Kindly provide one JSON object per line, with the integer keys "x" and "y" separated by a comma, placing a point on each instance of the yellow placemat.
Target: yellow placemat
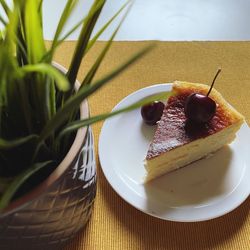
{"x": 114, "y": 223}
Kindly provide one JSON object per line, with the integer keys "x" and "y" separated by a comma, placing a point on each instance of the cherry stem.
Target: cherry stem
{"x": 218, "y": 72}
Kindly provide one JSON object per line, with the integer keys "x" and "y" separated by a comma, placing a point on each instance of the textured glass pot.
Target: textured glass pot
{"x": 53, "y": 212}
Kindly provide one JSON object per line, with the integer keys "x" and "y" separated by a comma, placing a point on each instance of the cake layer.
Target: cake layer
{"x": 195, "y": 150}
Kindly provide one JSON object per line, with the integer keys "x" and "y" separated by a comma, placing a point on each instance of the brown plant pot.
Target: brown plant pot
{"x": 53, "y": 212}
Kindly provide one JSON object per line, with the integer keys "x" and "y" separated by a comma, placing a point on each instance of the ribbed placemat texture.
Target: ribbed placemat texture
{"x": 114, "y": 223}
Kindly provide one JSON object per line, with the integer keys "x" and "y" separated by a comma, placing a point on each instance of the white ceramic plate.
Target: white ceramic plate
{"x": 204, "y": 190}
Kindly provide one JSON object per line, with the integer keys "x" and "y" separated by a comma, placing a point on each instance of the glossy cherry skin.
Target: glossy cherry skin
{"x": 199, "y": 108}
{"x": 152, "y": 112}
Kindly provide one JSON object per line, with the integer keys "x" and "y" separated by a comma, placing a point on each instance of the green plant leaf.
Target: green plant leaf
{"x": 5, "y": 6}
{"x": 74, "y": 102}
{"x": 49, "y": 54}
{"x": 52, "y": 100}
{"x": 82, "y": 42}
{"x": 33, "y": 31}
{"x": 70, "y": 5}
{"x": 105, "y": 26}
{"x": 18, "y": 181}
{"x": 76, "y": 26}
{"x": 25, "y": 105}
{"x": 21, "y": 49}
{"x": 4, "y": 182}
{"x": 3, "y": 21}
{"x": 56, "y": 42}
{"x": 10, "y": 30}
{"x": 86, "y": 122}
{"x": 96, "y": 65}
{"x": 8, "y": 144}
{"x": 60, "y": 79}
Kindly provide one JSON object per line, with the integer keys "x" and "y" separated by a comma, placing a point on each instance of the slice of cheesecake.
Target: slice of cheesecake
{"x": 177, "y": 141}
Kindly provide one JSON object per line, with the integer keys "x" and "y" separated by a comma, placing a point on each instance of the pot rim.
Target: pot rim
{"x": 40, "y": 189}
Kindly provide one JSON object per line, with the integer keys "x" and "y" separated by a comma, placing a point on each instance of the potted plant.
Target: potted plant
{"x": 47, "y": 164}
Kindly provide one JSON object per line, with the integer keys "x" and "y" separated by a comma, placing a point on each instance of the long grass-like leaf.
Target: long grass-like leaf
{"x": 5, "y": 7}
{"x": 105, "y": 26}
{"x": 86, "y": 122}
{"x": 10, "y": 29}
{"x": 4, "y": 182}
{"x": 18, "y": 181}
{"x": 52, "y": 100}
{"x": 21, "y": 48}
{"x": 70, "y": 5}
{"x": 34, "y": 31}
{"x": 56, "y": 42}
{"x": 49, "y": 54}
{"x": 83, "y": 41}
{"x": 40, "y": 12}
{"x": 60, "y": 79}
{"x": 96, "y": 65}
{"x": 25, "y": 105}
{"x": 77, "y": 25}
{"x": 3, "y": 21}
{"x": 8, "y": 144}
{"x": 74, "y": 102}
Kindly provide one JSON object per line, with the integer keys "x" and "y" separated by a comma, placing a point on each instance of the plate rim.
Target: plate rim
{"x": 121, "y": 188}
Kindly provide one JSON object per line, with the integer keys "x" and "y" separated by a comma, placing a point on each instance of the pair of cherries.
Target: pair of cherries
{"x": 198, "y": 108}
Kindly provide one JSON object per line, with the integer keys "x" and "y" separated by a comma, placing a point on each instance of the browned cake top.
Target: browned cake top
{"x": 173, "y": 130}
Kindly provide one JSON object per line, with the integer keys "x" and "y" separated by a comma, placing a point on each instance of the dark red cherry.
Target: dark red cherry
{"x": 199, "y": 108}
{"x": 152, "y": 112}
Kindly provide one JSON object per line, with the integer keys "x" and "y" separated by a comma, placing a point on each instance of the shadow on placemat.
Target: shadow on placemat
{"x": 153, "y": 233}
